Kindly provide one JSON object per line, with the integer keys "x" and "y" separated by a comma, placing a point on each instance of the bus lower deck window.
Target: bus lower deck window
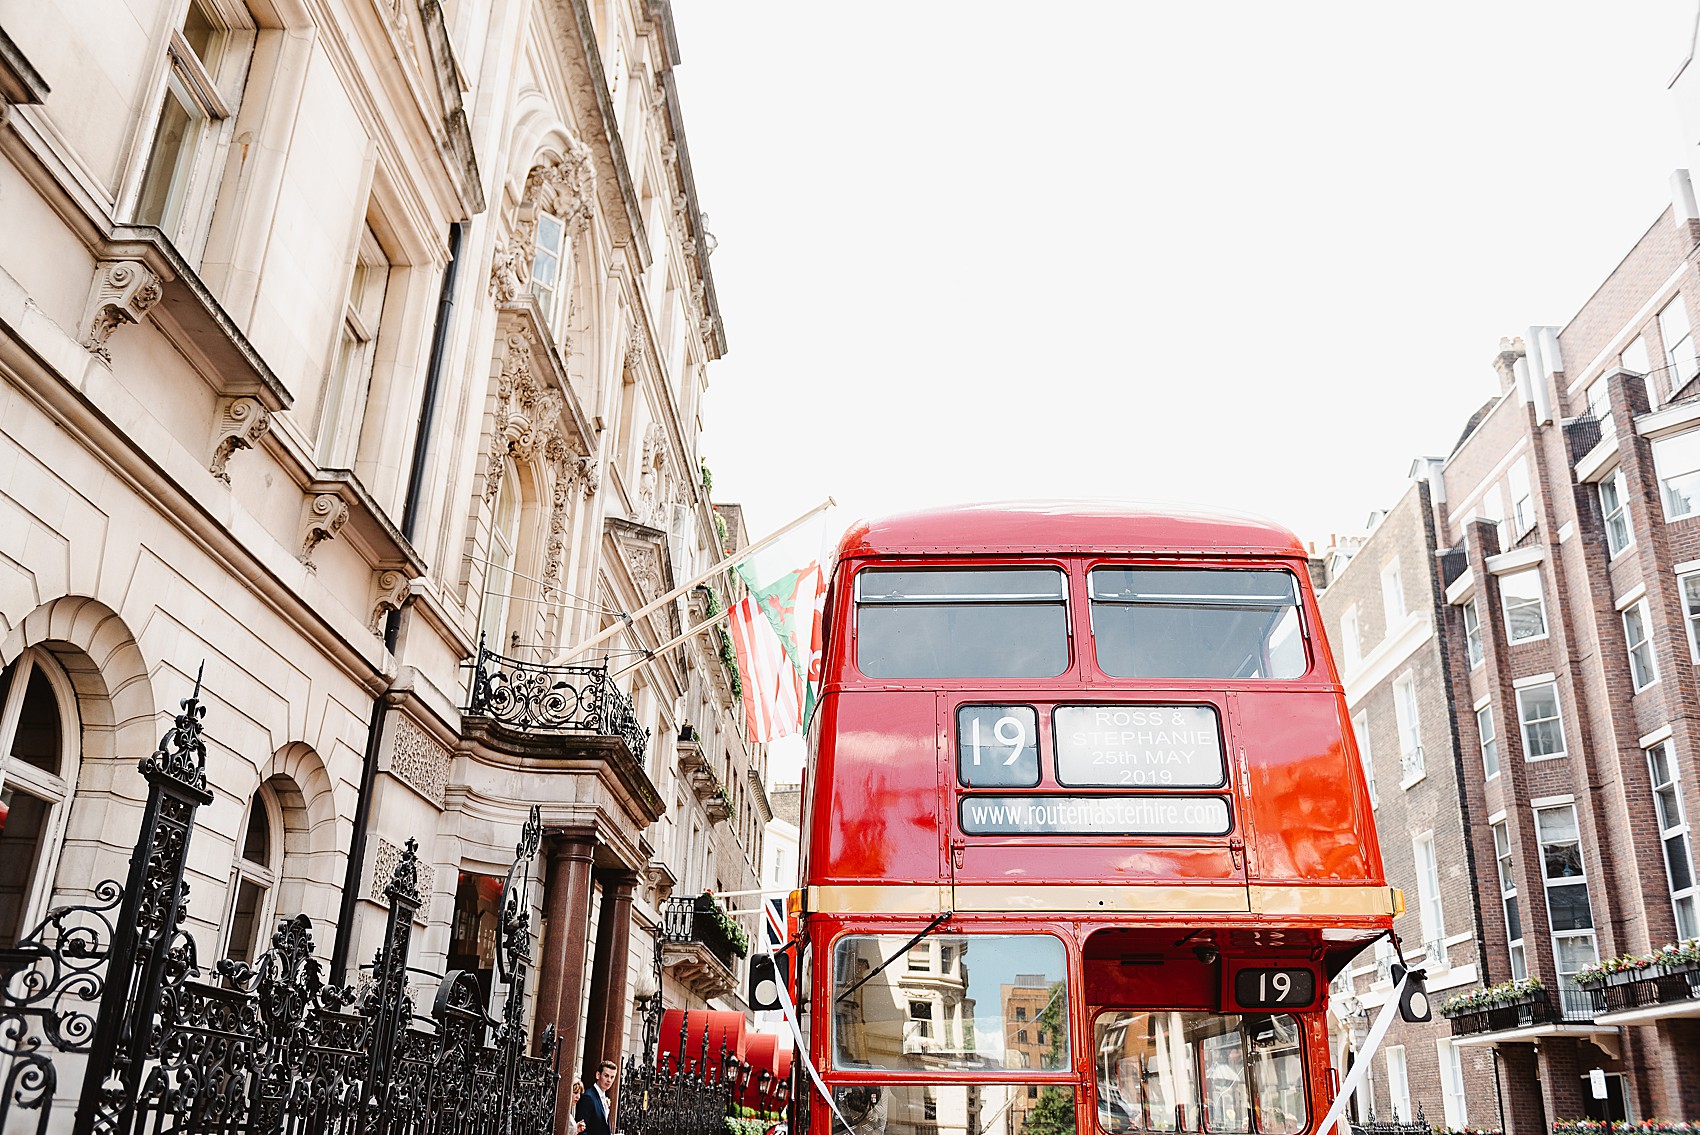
{"x": 1186, "y": 1071}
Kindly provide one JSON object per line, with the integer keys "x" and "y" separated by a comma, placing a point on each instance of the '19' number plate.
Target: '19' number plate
{"x": 1260, "y": 987}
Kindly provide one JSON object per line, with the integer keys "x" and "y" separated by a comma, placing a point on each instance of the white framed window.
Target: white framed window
{"x": 343, "y": 409}
{"x": 40, "y": 740}
{"x": 1636, "y": 358}
{"x": 1392, "y": 593}
{"x": 1452, "y": 1083}
{"x": 1637, "y": 636}
{"x": 1430, "y": 916}
{"x": 500, "y": 578}
{"x": 1508, "y": 897}
{"x": 1673, "y": 834}
{"x": 1680, "y": 359}
{"x": 1398, "y": 1083}
{"x": 1351, "y": 640}
{"x": 548, "y": 267}
{"x": 1614, "y": 513}
{"x": 1676, "y": 461}
{"x": 1490, "y": 741}
{"x": 206, "y": 65}
{"x": 1360, "y": 730}
{"x": 1522, "y": 499}
{"x": 1473, "y": 633}
{"x": 1569, "y": 912}
{"x": 253, "y": 881}
{"x": 1525, "y": 608}
{"x": 1543, "y": 725}
{"x": 1492, "y": 508}
{"x": 1410, "y": 735}
{"x": 1690, "y": 585}
{"x": 1599, "y": 405}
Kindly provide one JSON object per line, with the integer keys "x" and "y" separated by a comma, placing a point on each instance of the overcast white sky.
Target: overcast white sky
{"x": 1251, "y": 255}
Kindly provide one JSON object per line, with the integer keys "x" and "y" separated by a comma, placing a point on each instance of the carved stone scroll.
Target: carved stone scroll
{"x": 127, "y": 290}
{"x": 391, "y": 589}
{"x": 322, "y": 517}
{"x": 242, "y": 421}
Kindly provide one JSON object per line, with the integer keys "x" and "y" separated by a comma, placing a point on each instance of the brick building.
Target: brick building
{"x": 1565, "y": 592}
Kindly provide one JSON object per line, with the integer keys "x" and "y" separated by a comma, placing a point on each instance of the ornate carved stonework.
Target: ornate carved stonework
{"x": 384, "y": 859}
{"x": 564, "y": 186}
{"x": 646, "y": 570}
{"x": 391, "y": 590}
{"x": 242, "y": 421}
{"x": 652, "y": 491}
{"x": 419, "y": 759}
{"x": 127, "y": 290}
{"x": 322, "y": 517}
{"x": 633, "y": 363}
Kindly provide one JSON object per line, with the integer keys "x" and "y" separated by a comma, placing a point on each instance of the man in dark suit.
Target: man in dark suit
{"x": 596, "y": 1106}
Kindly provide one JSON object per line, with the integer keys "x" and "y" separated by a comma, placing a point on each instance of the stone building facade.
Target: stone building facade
{"x": 358, "y": 351}
{"x": 1565, "y": 534}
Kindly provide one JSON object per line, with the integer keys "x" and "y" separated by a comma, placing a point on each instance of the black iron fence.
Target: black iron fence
{"x": 1417, "y": 1125}
{"x": 1655, "y": 986}
{"x": 533, "y": 696}
{"x": 271, "y": 1048}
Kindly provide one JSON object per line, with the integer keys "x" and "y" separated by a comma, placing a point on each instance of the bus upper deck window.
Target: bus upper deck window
{"x": 985, "y": 623}
{"x": 1197, "y": 623}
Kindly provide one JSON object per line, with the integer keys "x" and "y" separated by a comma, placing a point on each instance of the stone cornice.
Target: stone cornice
{"x": 20, "y": 82}
{"x": 570, "y": 753}
{"x": 618, "y": 195}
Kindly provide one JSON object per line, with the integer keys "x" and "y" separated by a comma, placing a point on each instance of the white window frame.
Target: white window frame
{"x": 53, "y": 789}
{"x": 1452, "y": 1093}
{"x": 506, "y": 518}
{"x": 1513, "y": 593}
{"x": 263, "y": 876}
{"x": 1504, "y": 860}
{"x": 1488, "y": 735}
{"x": 1473, "y": 649}
{"x": 1677, "y": 336}
{"x": 1689, "y": 584}
{"x": 342, "y": 411}
{"x": 1674, "y": 839}
{"x": 1676, "y": 463}
{"x": 1566, "y": 979}
{"x": 1522, "y": 499}
{"x": 1614, "y": 514}
{"x": 1351, "y": 637}
{"x": 1360, "y": 731}
{"x": 1638, "y": 643}
{"x": 1392, "y": 593}
{"x": 1524, "y": 722}
{"x": 1411, "y": 768}
{"x": 550, "y": 287}
{"x": 1431, "y": 915}
{"x": 1398, "y": 1083}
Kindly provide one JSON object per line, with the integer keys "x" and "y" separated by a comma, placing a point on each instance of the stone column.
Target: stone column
{"x": 560, "y": 965}
{"x": 605, "y": 1028}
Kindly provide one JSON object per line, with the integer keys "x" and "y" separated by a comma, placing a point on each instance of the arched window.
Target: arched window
{"x": 39, "y": 743}
{"x": 253, "y": 883}
{"x": 504, "y": 543}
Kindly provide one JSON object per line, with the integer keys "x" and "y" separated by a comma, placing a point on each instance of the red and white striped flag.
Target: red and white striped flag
{"x": 773, "y": 689}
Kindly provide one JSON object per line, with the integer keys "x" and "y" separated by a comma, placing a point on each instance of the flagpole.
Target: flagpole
{"x": 650, "y": 655}
{"x": 737, "y": 557}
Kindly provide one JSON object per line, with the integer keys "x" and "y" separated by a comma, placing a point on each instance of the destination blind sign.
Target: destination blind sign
{"x": 1153, "y": 746}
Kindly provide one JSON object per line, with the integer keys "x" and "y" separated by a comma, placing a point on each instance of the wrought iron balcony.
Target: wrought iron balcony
{"x": 700, "y": 920}
{"x": 562, "y": 699}
{"x": 1411, "y": 763}
{"x": 1647, "y": 989}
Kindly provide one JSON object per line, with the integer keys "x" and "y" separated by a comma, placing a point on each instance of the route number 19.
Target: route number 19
{"x": 1257, "y": 987}
{"x": 997, "y": 746}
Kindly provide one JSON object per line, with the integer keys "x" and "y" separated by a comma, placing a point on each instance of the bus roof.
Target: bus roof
{"x": 1068, "y": 526}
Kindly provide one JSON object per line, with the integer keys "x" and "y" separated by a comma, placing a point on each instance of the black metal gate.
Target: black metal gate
{"x": 171, "y": 1048}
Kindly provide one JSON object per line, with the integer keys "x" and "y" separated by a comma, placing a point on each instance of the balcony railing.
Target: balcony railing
{"x": 1411, "y": 763}
{"x": 559, "y": 699}
{"x": 1573, "y": 1005}
{"x": 1583, "y": 434}
{"x": 1646, "y": 989}
{"x": 700, "y": 920}
{"x": 1435, "y": 948}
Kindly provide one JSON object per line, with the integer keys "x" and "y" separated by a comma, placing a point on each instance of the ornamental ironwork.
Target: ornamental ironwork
{"x": 535, "y": 697}
{"x": 264, "y": 1048}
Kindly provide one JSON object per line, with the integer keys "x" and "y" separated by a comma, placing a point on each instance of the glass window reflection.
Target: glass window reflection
{"x": 1199, "y": 1072}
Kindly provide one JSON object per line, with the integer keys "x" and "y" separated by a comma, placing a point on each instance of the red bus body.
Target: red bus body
{"x": 1153, "y": 927}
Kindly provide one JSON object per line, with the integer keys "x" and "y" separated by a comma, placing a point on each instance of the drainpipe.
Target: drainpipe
{"x": 392, "y": 624}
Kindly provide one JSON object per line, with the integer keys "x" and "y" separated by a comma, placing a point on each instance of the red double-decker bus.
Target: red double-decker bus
{"x": 1085, "y": 830}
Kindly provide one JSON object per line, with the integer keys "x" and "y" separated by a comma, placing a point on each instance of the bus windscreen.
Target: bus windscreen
{"x": 1197, "y": 623}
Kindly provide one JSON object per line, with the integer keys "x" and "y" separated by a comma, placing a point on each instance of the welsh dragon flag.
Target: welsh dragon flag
{"x": 776, "y": 631}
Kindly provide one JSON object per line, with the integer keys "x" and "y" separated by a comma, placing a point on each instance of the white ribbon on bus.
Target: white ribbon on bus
{"x": 803, "y": 1054}
{"x": 1360, "y": 1066}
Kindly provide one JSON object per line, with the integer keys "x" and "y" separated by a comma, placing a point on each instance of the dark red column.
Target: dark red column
{"x": 605, "y": 1028}
{"x": 560, "y": 964}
